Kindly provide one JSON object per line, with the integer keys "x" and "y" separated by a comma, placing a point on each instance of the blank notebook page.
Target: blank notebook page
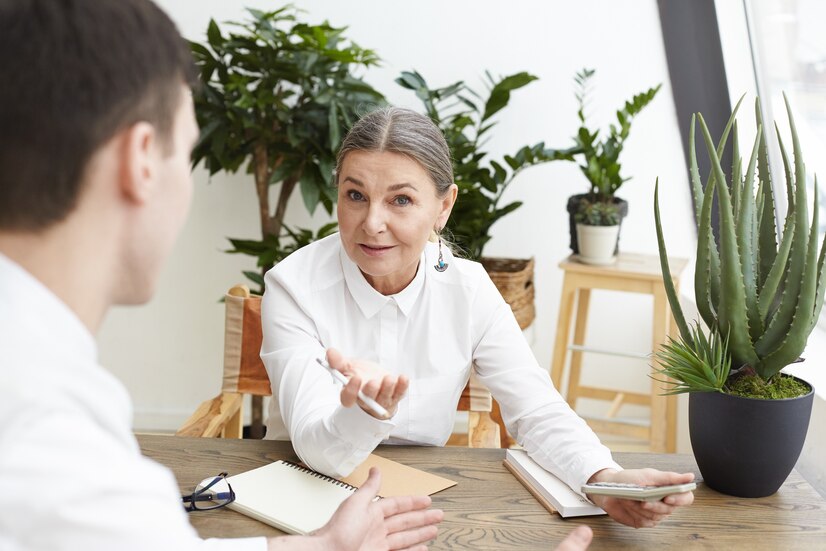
{"x": 288, "y": 496}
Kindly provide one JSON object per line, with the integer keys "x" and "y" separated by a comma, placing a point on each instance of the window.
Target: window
{"x": 788, "y": 48}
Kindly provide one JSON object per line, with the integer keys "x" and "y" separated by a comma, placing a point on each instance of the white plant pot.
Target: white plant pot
{"x": 597, "y": 244}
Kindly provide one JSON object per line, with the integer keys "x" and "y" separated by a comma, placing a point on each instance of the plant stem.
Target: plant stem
{"x": 262, "y": 184}
{"x": 277, "y": 219}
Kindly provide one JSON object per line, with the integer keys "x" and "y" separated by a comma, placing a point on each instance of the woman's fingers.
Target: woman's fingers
{"x": 401, "y": 388}
{"x": 349, "y": 394}
{"x": 387, "y": 391}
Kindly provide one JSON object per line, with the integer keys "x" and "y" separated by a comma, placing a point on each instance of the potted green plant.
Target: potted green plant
{"x": 277, "y": 97}
{"x": 466, "y": 119}
{"x": 597, "y": 228}
{"x": 761, "y": 299}
{"x": 598, "y": 159}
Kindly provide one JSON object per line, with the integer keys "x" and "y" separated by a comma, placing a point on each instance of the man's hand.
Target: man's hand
{"x": 578, "y": 540}
{"x": 374, "y": 382}
{"x": 361, "y": 524}
{"x": 642, "y": 514}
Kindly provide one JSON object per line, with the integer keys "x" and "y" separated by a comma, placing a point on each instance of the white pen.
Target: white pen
{"x": 369, "y": 402}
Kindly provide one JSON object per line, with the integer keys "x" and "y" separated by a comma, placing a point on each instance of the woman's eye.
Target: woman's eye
{"x": 402, "y": 200}
{"x": 355, "y": 195}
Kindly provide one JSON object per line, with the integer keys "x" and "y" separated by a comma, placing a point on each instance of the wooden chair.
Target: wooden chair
{"x": 244, "y": 373}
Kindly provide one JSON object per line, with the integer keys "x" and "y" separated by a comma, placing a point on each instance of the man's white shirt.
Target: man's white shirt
{"x": 71, "y": 473}
{"x": 442, "y": 325}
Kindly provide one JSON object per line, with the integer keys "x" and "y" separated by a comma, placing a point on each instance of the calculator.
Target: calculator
{"x": 635, "y": 491}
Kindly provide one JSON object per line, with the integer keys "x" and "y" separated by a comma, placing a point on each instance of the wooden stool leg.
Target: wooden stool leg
{"x": 580, "y": 325}
{"x": 671, "y": 409}
{"x": 563, "y": 328}
{"x": 660, "y": 422}
{"x": 506, "y": 440}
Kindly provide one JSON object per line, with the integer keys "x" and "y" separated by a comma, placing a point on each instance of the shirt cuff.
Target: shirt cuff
{"x": 590, "y": 468}
{"x": 357, "y": 425}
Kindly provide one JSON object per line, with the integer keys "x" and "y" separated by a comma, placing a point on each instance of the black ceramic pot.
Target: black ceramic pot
{"x": 573, "y": 205}
{"x": 747, "y": 447}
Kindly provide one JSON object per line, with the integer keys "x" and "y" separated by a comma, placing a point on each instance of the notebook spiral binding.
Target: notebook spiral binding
{"x": 311, "y": 472}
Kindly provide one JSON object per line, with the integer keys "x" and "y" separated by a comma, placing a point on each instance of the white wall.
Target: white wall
{"x": 168, "y": 352}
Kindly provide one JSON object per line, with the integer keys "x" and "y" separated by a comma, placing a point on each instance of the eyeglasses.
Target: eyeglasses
{"x": 210, "y": 493}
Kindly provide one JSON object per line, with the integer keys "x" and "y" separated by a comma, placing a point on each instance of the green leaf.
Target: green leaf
{"x": 668, "y": 281}
{"x": 767, "y": 225}
{"x": 732, "y": 312}
{"x": 745, "y": 225}
{"x": 310, "y": 189}
{"x": 707, "y": 276}
{"x": 255, "y": 277}
{"x": 784, "y": 331}
{"x": 694, "y": 171}
{"x": 214, "y": 35}
{"x": 500, "y": 94}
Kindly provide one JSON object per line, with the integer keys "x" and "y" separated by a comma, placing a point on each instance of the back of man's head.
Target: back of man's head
{"x": 73, "y": 73}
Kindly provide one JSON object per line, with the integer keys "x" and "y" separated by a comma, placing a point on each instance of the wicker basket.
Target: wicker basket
{"x": 514, "y": 279}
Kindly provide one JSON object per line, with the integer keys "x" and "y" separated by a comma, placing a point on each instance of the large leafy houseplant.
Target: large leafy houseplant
{"x": 598, "y": 154}
{"x": 277, "y": 96}
{"x": 763, "y": 297}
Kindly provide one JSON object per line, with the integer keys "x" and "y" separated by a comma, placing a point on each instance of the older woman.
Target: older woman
{"x": 412, "y": 320}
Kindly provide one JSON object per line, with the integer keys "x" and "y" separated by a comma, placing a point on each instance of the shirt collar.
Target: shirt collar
{"x": 370, "y": 301}
{"x": 43, "y": 312}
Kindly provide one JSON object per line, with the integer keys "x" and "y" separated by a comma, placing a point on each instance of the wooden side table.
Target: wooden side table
{"x": 634, "y": 273}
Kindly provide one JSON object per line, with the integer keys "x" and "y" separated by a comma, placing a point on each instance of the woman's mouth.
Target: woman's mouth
{"x": 374, "y": 250}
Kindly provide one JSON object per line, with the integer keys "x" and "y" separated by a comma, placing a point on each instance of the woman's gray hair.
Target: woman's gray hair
{"x": 405, "y": 132}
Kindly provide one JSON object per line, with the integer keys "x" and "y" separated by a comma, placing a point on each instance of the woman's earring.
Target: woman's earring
{"x": 442, "y": 265}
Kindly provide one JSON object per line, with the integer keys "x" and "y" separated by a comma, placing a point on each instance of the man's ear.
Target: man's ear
{"x": 139, "y": 156}
{"x": 447, "y": 205}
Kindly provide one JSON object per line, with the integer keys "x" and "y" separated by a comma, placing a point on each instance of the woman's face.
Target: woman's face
{"x": 387, "y": 207}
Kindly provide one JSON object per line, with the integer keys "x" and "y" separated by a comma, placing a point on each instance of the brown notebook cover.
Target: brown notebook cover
{"x": 398, "y": 479}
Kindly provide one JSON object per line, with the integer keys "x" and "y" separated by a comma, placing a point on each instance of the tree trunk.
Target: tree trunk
{"x": 262, "y": 186}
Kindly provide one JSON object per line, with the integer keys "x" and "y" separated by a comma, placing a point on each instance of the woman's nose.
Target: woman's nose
{"x": 376, "y": 220}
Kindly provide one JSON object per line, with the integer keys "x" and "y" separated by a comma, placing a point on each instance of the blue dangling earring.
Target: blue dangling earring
{"x": 442, "y": 265}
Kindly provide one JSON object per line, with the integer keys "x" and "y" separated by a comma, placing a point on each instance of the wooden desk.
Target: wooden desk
{"x": 489, "y": 509}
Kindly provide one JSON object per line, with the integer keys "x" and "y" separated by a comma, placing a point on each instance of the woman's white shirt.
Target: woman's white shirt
{"x": 434, "y": 331}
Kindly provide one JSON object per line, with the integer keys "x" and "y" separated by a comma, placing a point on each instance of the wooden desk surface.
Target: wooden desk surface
{"x": 489, "y": 509}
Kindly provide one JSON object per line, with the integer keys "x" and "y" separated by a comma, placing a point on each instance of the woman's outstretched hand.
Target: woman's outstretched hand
{"x": 642, "y": 514}
{"x": 371, "y": 379}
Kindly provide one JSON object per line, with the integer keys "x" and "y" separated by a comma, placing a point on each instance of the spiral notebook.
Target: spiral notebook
{"x": 298, "y": 500}
{"x": 288, "y": 496}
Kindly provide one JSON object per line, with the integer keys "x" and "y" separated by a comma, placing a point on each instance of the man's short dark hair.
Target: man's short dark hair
{"x": 73, "y": 73}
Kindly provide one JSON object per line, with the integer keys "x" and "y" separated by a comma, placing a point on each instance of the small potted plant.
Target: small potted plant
{"x": 599, "y": 158}
{"x": 760, "y": 299}
{"x": 597, "y": 228}
{"x": 465, "y": 118}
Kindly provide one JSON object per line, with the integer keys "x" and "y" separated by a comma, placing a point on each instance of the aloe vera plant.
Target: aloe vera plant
{"x": 764, "y": 294}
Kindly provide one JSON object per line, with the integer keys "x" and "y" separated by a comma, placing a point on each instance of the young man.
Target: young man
{"x": 96, "y": 127}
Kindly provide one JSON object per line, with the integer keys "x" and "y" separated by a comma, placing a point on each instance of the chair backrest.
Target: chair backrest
{"x": 244, "y": 371}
